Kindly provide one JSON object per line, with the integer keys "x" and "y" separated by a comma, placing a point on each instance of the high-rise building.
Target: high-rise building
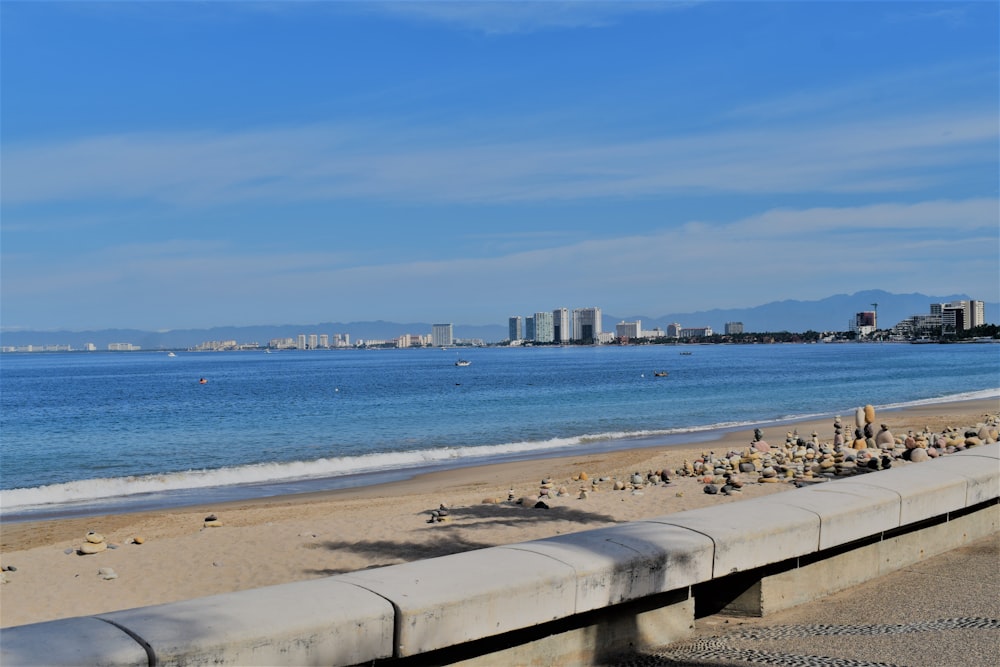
{"x": 560, "y": 325}
{"x": 733, "y": 328}
{"x": 865, "y": 323}
{"x": 674, "y": 330}
{"x": 515, "y": 328}
{"x": 629, "y": 330}
{"x": 543, "y": 328}
{"x": 442, "y": 335}
{"x": 529, "y": 328}
{"x": 696, "y": 332}
{"x": 977, "y": 314}
{"x": 960, "y": 315}
{"x": 587, "y": 325}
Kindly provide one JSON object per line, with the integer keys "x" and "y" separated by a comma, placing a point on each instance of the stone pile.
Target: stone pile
{"x": 440, "y": 515}
{"x": 807, "y": 460}
{"x": 797, "y": 459}
{"x": 94, "y": 543}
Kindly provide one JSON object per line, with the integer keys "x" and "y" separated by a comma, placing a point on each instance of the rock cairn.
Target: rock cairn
{"x": 440, "y": 515}
{"x": 798, "y": 459}
{"x": 93, "y": 543}
{"x": 807, "y": 460}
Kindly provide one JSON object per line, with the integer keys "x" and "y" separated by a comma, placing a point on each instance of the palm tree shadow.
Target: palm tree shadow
{"x": 378, "y": 553}
{"x": 389, "y": 552}
{"x": 488, "y": 515}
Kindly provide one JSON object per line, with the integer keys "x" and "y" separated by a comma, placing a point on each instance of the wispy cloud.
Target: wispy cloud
{"x": 521, "y": 16}
{"x": 337, "y": 162}
{"x": 788, "y": 252}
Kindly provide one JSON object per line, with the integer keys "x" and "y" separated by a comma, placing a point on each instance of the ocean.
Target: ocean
{"x": 88, "y": 433}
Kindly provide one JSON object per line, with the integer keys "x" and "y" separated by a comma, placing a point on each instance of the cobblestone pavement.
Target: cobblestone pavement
{"x": 942, "y": 612}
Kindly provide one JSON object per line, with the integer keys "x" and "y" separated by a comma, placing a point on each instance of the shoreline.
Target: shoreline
{"x": 179, "y": 499}
{"x": 280, "y": 539}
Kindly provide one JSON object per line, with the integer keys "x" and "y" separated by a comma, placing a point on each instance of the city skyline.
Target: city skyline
{"x": 164, "y": 171}
{"x": 936, "y": 317}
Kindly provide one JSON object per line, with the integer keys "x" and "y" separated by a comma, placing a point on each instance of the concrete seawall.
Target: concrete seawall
{"x": 569, "y": 599}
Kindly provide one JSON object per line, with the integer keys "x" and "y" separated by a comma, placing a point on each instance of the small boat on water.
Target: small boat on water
{"x": 463, "y": 362}
{"x": 660, "y": 374}
{"x": 686, "y": 354}
{"x": 171, "y": 354}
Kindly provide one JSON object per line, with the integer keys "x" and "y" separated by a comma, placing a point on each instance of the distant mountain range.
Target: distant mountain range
{"x": 833, "y": 313}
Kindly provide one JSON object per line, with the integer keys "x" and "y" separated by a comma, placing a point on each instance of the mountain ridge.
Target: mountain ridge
{"x": 833, "y": 313}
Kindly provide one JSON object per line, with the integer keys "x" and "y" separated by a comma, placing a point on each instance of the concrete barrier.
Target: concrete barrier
{"x": 560, "y": 598}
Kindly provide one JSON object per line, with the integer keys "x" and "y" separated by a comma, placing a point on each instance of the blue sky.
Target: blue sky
{"x": 177, "y": 165}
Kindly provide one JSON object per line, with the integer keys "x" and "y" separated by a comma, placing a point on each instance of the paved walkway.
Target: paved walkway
{"x": 942, "y": 612}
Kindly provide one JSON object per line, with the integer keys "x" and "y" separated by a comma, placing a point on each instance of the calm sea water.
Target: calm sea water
{"x": 115, "y": 431}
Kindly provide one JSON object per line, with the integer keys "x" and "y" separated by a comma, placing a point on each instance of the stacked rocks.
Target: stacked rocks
{"x": 802, "y": 460}
{"x": 94, "y": 543}
{"x": 212, "y": 521}
{"x": 440, "y": 515}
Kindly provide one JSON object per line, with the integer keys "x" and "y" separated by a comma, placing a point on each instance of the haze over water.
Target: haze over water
{"x": 84, "y": 433}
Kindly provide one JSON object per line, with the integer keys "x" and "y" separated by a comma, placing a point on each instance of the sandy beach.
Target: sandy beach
{"x": 292, "y": 538}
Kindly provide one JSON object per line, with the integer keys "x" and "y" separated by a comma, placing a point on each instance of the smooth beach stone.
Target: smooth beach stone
{"x": 884, "y": 436}
{"x": 762, "y": 446}
{"x": 869, "y": 414}
{"x": 973, "y": 442}
{"x": 769, "y": 471}
{"x": 860, "y": 444}
{"x": 747, "y": 467}
{"x": 92, "y": 547}
{"x": 859, "y": 417}
{"x": 711, "y": 489}
{"x": 933, "y": 452}
{"x": 107, "y": 573}
{"x": 94, "y": 538}
{"x": 918, "y": 455}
